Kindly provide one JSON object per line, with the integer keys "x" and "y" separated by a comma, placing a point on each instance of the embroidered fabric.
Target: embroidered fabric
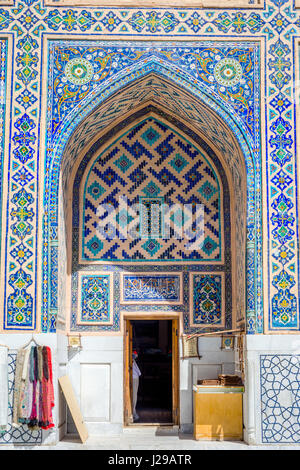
{"x": 33, "y": 388}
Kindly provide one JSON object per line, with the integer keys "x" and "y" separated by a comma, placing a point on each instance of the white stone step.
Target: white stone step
{"x": 151, "y": 430}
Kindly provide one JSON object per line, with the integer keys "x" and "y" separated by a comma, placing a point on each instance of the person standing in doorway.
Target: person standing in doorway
{"x": 135, "y": 384}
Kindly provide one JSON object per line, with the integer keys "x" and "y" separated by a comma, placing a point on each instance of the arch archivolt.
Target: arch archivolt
{"x": 155, "y": 93}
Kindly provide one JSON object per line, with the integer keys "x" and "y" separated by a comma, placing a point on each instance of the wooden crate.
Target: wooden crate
{"x": 218, "y": 413}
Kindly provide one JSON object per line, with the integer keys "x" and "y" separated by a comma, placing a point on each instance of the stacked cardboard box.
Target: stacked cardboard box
{"x": 230, "y": 380}
{"x": 208, "y": 382}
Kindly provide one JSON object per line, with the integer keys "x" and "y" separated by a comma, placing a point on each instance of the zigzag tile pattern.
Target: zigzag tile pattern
{"x": 170, "y": 180}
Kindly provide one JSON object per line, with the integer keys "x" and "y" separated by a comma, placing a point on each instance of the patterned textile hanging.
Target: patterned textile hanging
{"x": 26, "y": 390}
{"x": 33, "y": 388}
{"x": 17, "y": 386}
{"x": 47, "y": 388}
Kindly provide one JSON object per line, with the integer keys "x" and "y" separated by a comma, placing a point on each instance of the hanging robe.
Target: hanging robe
{"x": 25, "y": 400}
{"x": 47, "y": 389}
{"x": 17, "y": 386}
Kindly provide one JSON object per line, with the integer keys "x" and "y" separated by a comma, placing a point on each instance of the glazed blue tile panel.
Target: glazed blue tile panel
{"x": 284, "y": 302}
{"x": 222, "y": 67}
{"x": 19, "y": 303}
{"x": 3, "y": 65}
{"x": 54, "y": 276}
{"x": 276, "y": 25}
{"x": 207, "y": 299}
{"x": 151, "y": 288}
{"x": 95, "y": 299}
{"x": 147, "y": 189}
{"x": 125, "y": 163}
{"x": 163, "y": 174}
{"x": 280, "y": 398}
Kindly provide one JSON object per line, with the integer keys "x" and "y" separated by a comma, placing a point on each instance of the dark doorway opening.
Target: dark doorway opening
{"x": 152, "y": 339}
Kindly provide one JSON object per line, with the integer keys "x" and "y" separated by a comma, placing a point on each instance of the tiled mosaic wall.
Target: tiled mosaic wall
{"x": 279, "y": 389}
{"x": 183, "y": 104}
{"x": 173, "y": 221}
{"x": 221, "y": 72}
{"x": 155, "y": 168}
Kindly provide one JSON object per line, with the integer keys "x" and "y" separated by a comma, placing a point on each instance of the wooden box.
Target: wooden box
{"x": 218, "y": 412}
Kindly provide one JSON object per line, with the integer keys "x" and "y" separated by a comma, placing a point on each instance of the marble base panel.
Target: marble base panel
{"x": 271, "y": 399}
{"x": 271, "y": 406}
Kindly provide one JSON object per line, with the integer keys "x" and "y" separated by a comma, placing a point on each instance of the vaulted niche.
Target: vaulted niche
{"x": 151, "y": 224}
{"x": 151, "y": 196}
{"x": 152, "y": 214}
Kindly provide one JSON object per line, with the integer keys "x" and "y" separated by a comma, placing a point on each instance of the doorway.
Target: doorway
{"x": 156, "y": 343}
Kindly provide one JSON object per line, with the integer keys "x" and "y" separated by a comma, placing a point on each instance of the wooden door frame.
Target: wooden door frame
{"x": 175, "y": 361}
{"x": 127, "y": 367}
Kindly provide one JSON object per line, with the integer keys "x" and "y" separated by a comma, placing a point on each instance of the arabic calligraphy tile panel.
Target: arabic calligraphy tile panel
{"x": 156, "y": 288}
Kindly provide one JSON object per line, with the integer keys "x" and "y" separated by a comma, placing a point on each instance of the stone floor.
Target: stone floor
{"x": 136, "y": 438}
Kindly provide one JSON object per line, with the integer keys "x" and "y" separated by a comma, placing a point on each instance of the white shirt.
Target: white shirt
{"x": 135, "y": 370}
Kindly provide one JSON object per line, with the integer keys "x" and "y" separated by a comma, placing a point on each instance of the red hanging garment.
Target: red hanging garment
{"x": 47, "y": 390}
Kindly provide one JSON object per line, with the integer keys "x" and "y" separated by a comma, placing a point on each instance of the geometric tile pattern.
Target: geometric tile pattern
{"x": 277, "y": 24}
{"x": 150, "y": 287}
{"x": 229, "y": 69}
{"x": 280, "y": 398}
{"x": 166, "y": 182}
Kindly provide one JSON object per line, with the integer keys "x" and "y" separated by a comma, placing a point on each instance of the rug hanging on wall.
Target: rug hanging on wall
{"x": 190, "y": 347}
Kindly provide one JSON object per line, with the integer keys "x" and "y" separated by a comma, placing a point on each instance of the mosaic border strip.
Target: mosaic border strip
{"x": 3, "y": 91}
{"x": 163, "y": 4}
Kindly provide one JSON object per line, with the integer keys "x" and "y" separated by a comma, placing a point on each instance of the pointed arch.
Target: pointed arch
{"x": 203, "y": 115}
